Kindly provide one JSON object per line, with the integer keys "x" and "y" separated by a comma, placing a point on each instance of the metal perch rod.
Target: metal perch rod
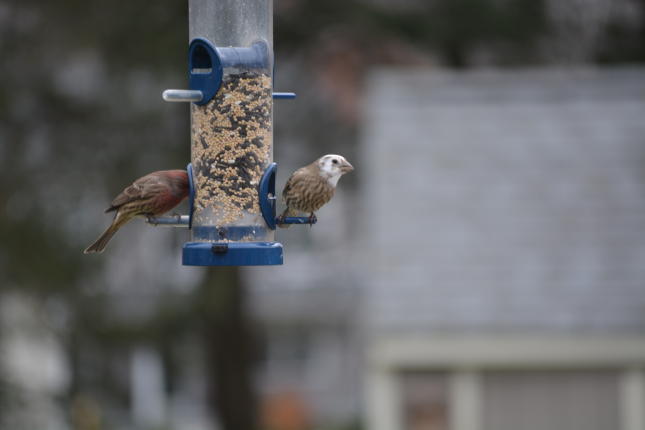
{"x": 169, "y": 221}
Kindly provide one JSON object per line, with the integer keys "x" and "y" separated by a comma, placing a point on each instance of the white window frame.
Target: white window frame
{"x": 464, "y": 358}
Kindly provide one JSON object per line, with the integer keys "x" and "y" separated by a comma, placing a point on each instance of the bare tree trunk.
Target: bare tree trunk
{"x": 229, "y": 346}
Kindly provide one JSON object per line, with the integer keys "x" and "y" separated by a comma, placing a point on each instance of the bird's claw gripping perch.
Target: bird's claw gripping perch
{"x": 312, "y": 219}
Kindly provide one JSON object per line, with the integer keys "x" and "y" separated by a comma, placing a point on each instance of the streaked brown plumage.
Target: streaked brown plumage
{"x": 310, "y": 187}
{"x": 150, "y": 195}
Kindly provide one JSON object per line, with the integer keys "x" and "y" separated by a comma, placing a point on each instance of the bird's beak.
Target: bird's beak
{"x": 346, "y": 167}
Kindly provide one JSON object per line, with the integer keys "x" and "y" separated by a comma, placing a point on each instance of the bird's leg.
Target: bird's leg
{"x": 151, "y": 219}
{"x": 279, "y": 219}
{"x": 312, "y": 219}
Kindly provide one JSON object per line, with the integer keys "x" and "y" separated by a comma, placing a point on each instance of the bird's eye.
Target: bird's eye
{"x": 334, "y": 161}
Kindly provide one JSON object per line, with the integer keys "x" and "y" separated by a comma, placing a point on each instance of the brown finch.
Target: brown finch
{"x": 151, "y": 195}
{"x": 310, "y": 187}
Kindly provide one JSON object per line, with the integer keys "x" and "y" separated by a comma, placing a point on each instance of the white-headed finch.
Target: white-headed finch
{"x": 151, "y": 195}
{"x": 310, "y": 187}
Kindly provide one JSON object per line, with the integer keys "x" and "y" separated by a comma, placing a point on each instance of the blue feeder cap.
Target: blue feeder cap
{"x": 232, "y": 254}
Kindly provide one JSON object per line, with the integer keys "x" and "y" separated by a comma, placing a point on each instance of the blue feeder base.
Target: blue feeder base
{"x": 232, "y": 254}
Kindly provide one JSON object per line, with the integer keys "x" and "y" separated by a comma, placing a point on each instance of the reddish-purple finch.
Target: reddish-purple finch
{"x": 310, "y": 187}
{"x": 151, "y": 195}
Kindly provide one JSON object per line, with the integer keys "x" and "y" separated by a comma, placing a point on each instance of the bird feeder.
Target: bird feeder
{"x": 232, "y": 174}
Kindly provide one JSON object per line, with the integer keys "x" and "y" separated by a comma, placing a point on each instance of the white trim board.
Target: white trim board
{"x": 465, "y": 357}
{"x": 456, "y": 352}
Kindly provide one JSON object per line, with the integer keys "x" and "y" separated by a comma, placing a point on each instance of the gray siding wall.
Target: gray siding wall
{"x": 504, "y": 200}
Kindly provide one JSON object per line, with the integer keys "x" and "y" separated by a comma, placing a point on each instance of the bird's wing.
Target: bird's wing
{"x": 294, "y": 179}
{"x": 140, "y": 189}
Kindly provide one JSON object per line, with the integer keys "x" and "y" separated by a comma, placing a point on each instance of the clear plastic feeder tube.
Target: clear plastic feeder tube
{"x": 232, "y": 134}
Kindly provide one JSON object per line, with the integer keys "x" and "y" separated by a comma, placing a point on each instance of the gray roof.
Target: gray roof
{"x": 504, "y": 199}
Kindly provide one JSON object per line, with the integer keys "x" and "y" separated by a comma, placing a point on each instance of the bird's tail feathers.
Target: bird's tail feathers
{"x": 99, "y": 245}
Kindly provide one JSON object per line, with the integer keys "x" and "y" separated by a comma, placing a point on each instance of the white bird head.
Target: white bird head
{"x": 332, "y": 167}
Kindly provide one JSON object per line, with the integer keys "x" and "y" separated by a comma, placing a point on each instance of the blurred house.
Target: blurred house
{"x": 502, "y": 232}
{"x": 490, "y": 275}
